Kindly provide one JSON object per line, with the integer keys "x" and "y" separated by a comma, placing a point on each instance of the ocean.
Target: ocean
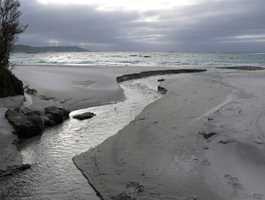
{"x": 164, "y": 59}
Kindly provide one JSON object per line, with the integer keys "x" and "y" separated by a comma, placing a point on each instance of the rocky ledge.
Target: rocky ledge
{"x": 28, "y": 123}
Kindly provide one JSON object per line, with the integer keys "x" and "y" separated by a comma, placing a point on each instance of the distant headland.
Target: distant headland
{"x": 42, "y": 49}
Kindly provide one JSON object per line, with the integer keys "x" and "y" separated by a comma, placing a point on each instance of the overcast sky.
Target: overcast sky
{"x": 149, "y": 25}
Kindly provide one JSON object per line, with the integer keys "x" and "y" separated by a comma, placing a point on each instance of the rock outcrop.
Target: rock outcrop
{"x": 9, "y": 84}
{"x": 54, "y": 116}
{"x": 25, "y": 126}
{"x": 29, "y": 123}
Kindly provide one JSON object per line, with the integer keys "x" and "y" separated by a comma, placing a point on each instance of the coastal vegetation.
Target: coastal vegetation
{"x": 10, "y": 27}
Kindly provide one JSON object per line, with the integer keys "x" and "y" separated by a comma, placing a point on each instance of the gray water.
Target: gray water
{"x": 162, "y": 59}
{"x": 53, "y": 175}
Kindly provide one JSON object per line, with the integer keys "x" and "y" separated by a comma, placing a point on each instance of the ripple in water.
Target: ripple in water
{"x": 53, "y": 175}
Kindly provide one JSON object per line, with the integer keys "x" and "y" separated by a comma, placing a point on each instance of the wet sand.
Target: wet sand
{"x": 203, "y": 140}
{"x": 77, "y": 87}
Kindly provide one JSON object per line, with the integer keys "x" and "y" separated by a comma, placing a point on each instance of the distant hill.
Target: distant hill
{"x": 30, "y": 49}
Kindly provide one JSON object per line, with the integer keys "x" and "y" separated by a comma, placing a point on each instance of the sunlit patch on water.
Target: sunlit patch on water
{"x": 53, "y": 175}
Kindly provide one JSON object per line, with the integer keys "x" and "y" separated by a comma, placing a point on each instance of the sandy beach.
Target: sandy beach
{"x": 203, "y": 140}
{"x": 76, "y": 87}
{"x": 132, "y": 100}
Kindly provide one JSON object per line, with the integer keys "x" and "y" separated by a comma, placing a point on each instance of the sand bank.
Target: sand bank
{"x": 76, "y": 87}
{"x": 203, "y": 140}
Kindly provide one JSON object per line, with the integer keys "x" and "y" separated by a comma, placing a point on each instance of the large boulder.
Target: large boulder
{"x": 9, "y": 84}
{"x": 26, "y": 125}
{"x": 54, "y": 116}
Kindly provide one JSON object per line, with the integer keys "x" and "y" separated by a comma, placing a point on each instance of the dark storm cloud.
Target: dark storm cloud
{"x": 216, "y": 25}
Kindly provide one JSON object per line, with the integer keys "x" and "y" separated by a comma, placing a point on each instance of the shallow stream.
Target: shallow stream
{"x": 53, "y": 175}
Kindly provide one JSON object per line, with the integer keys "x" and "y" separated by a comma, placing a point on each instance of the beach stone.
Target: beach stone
{"x": 55, "y": 115}
{"x": 25, "y": 125}
{"x": 84, "y": 116}
{"x": 161, "y": 90}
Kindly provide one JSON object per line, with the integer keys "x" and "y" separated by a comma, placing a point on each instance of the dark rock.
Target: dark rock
{"x": 84, "y": 116}
{"x": 48, "y": 121}
{"x": 207, "y": 135}
{"x": 145, "y": 74}
{"x": 9, "y": 84}
{"x": 210, "y": 119}
{"x": 55, "y": 116}
{"x": 161, "y": 80}
{"x": 161, "y": 90}
{"x": 28, "y": 123}
{"x": 14, "y": 169}
{"x": 25, "y": 125}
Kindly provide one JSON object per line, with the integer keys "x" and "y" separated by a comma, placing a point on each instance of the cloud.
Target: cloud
{"x": 216, "y": 25}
